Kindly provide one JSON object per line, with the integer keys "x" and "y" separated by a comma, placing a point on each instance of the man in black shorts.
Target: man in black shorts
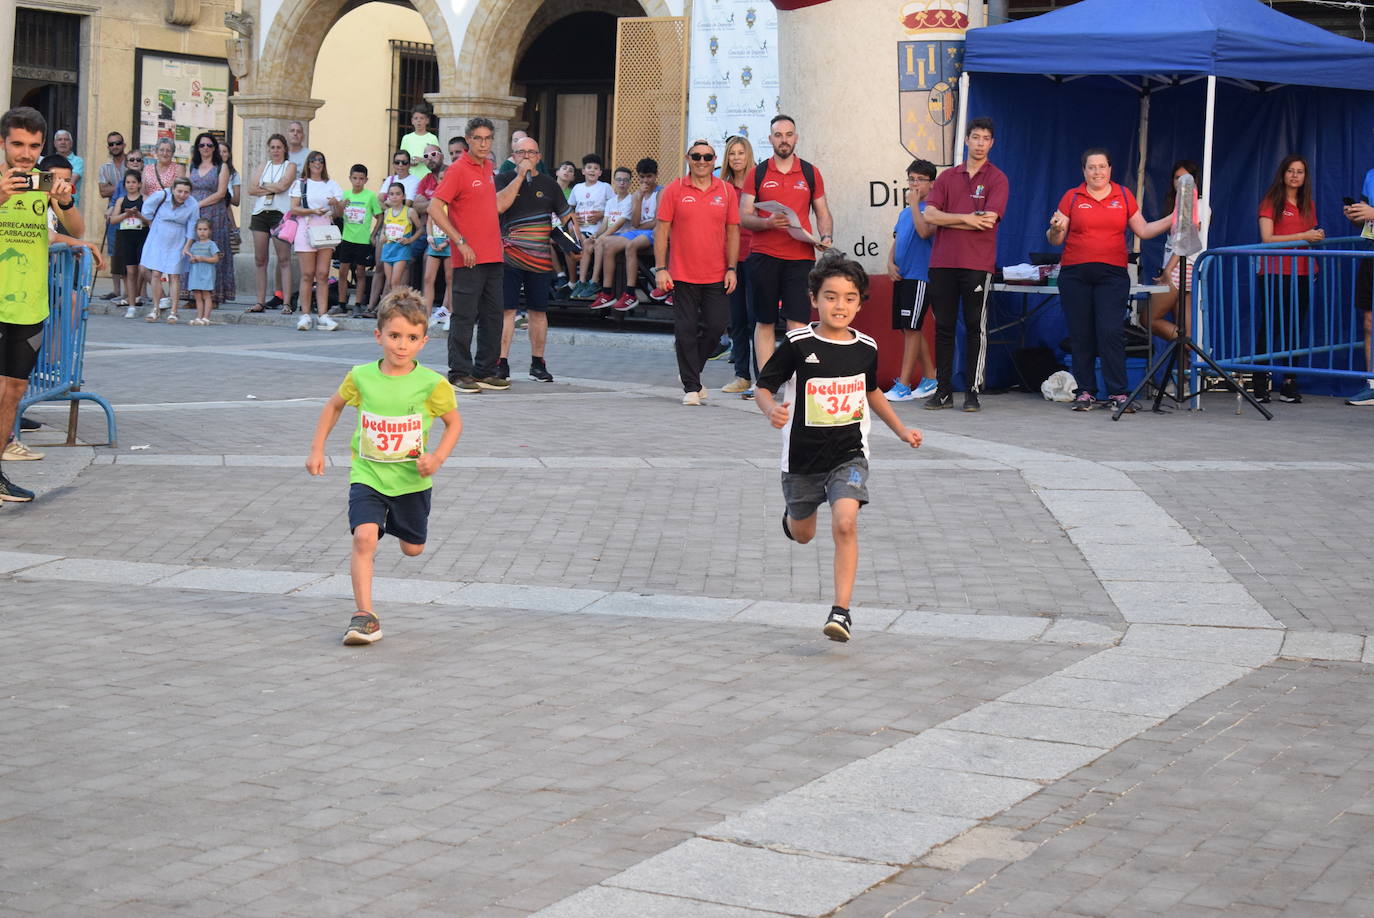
{"x": 779, "y": 264}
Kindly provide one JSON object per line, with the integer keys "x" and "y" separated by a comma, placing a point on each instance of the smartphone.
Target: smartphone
{"x": 40, "y": 181}
{"x": 1348, "y": 201}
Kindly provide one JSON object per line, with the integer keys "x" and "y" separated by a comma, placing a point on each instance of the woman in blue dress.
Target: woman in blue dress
{"x": 172, "y": 216}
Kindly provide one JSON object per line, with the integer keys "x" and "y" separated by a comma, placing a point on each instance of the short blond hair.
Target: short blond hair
{"x": 404, "y": 302}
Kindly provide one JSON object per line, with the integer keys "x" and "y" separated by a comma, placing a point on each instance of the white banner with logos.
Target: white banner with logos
{"x": 733, "y": 74}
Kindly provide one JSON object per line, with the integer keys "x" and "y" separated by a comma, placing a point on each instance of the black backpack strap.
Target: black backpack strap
{"x": 759, "y": 170}
{"x": 809, "y": 173}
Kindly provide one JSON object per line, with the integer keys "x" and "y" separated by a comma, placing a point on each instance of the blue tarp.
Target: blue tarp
{"x": 1044, "y": 124}
{"x": 1243, "y": 39}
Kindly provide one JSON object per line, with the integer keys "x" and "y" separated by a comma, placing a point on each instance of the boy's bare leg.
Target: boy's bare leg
{"x": 910, "y": 344}
{"x": 365, "y": 538}
{"x": 844, "y": 526}
{"x": 924, "y": 358}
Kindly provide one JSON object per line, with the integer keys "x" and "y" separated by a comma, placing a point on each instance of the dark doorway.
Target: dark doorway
{"x": 47, "y": 67}
{"x": 568, "y": 74}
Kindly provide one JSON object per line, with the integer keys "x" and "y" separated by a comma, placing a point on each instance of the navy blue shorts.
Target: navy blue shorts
{"x": 406, "y": 517}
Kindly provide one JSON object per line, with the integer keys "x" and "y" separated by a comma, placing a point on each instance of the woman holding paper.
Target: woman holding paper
{"x": 1091, "y": 223}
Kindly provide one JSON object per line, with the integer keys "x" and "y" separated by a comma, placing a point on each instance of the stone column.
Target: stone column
{"x": 7, "y": 14}
{"x": 453, "y": 113}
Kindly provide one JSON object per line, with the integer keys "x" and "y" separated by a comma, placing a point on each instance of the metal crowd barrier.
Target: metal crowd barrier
{"x": 57, "y": 376}
{"x": 1306, "y": 325}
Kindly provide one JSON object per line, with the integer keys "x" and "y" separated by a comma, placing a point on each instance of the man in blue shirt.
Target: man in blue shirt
{"x": 1363, "y": 214}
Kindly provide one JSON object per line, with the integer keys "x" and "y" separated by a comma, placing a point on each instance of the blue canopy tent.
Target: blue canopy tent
{"x": 1231, "y": 83}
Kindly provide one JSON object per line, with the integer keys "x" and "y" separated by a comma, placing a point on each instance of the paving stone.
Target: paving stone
{"x": 93, "y": 570}
{"x": 813, "y": 616}
{"x": 11, "y": 561}
{"x": 1122, "y": 664}
{"x": 239, "y": 581}
{"x": 982, "y": 627}
{"x": 609, "y": 902}
{"x": 385, "y": 589}
{"x": 1075, "y": 476}
{"x": 1150, "y": 700}
{"x": 265, "y": 462}
{"x": 654, "y": 606}
{"x": 752, "y": 877}
{"x": 1076, "y": 631}
{"x": 1322, "y": 645}
{"x": 1009, "y": 757}
{"x": 800, "y": 823}
{"x": 593, "y": 462}
{"x": 1054, "y": 724}
{"x": 518, "y": 596}
{"x": 890, "y": 780}
{"x": 1243, "y": 647}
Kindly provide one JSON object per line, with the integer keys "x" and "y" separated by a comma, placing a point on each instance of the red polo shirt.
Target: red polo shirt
{"x": 469, "y": 191}
{"x": 696, "y": 250}
{"x": 788, "y": 188}
{"x": 957, "y": 192}
{"x": 1288, "y": 223}
{"x": 1097, "y": 229}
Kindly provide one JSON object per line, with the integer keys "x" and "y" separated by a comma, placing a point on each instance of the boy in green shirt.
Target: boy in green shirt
{"x": 389, "y": 490}
{"x": 362, "y": 220}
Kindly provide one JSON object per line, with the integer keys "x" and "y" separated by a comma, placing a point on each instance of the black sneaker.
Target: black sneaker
{"x": 503, "y": 368}
{"x": 11, "y": 491}
{"x": 539, "y": 371}
{"x": 1288, "y": 392}
{"x": 971, "y": 402}
{"x": 26, "y": 424}
{"x": 274, "y": 303}
{"x": 939, "y": 400}
{"x": 837, "y": 626}
{"x": 363, "y": 628}
{"x": 466, "y": 384}
{"x": 494, "y": 383}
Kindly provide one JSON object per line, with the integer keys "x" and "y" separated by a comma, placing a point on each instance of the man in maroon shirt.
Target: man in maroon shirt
{"x": 465, "y": 208}
{"x": 779, "y": 264}
{"x": 964, "y": 205}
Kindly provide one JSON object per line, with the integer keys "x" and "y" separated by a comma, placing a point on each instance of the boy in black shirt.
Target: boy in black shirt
{"x": 833, "y": 369}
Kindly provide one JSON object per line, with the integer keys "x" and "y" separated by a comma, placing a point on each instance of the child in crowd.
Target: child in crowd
{"x": 400, "y": 228}
{"x": 589, "y": 199}
{"x": 908, "y": 264}
{"x": 362, "y": 221}
{"x": 389, "y": 485}
{"x": 203, "y": 255}
{"x": 437, "y": 257}
{"x": 833, "y": 370}
{"x": 126, "y": 214}
{"x": 607, "y": 244}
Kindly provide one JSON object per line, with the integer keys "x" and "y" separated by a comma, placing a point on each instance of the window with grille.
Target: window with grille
{"x": 414, "y": 72}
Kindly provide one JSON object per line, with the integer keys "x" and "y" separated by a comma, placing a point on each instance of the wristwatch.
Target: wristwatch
{"x": 68, "y": 206}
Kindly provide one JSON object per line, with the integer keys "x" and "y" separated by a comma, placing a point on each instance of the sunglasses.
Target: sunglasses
{"x": 132, "y": 160}
{"x": 400, "y": 162}
{"x": 114, "y": 143}
{"x": 702, "y": 157}
{"x": 207, "y": 146}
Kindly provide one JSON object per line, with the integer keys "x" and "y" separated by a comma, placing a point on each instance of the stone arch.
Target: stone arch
{"x": 286, "y": 66}
{"x": 495, "y": 35}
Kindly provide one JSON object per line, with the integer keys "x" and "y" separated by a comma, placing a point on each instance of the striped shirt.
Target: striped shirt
{"x": 525, "y": 225}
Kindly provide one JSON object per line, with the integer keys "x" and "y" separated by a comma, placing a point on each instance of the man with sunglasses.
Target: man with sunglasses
{"x": 779, "y": 264}
{"x": 111, "y": 180}
{"x": 701, "y": 215}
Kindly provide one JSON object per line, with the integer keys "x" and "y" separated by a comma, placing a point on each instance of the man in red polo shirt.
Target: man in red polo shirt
{"x": 465, "y": 208}
{"x": 779, "y": 264}
{"x": 964, "y": 205}
{"x": 702, "y": 217}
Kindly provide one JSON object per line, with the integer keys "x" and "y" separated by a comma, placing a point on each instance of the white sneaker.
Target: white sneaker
{"x": 443, "y": 326}
{"x": 131, "y": 312}
{"x": 324, "y": 323}
{"x": 439, "y": 317}
{"x": 18, "y": 452}
{"x": 692, "y": 398}
{"x": 303, "y": 324}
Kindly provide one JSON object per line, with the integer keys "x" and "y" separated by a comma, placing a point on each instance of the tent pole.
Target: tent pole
{"x": 1143, "y": 131}
{"x": 961, "y": 125}
{"x": 1205, "y": 215}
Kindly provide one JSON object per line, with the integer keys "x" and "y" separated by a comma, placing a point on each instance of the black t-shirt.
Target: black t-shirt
{"x": 525, "y": 226}
{"x": 827, "y": 383}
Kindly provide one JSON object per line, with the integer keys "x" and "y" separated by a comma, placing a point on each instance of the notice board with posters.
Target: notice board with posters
{"x": 179, "y": 96}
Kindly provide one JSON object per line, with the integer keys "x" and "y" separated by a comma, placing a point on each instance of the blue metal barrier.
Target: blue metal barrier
{"x": 1256, "y": 319}
{"x": 57, "y": 375}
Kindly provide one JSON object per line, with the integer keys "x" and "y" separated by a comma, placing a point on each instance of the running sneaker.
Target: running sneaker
{"x": 838, "y": 625}
{"x": 691, "y": 398}
{"x": 18, "y": 452}
{"x": 304, "y": 323}
{"x": 522, "y": 321}
{"x": 363, "y": 628}
{"x": 26, "y": 424}
{"x": 900, "y": 392}
{"x": 503, "y": 367}
{"x": 11, "y": 491}
{"x": 659, "y": 295}
{"x": 1289, "y": 393}
{"x": 275, "y": 302}
{"x": 539, "y": 371}
{"x": 738, "y": 384}
{"x": 1084, "y": 401}
{"x": 747, "y": 394}
{"x": 625, "y": 302}
{"x": 326, "y": 324}
{"x": 1363, "y": 398}
{"x": 721, "y": 349}
{"x": 602, "y": 300}
{"x": 927, "y": 387}
{"x": 939, "y": 400}
{"x": 493, "y": 382}
{"x": 1122, "y": 402}
{"x": 971, "y": 402}
{"x": 130, "y": 312}
{"x": 438, "y": 317}
{"x": 465, "y": 384}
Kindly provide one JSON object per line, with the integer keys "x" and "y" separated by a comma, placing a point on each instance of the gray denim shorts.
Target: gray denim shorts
{"x": 804, "y": 493}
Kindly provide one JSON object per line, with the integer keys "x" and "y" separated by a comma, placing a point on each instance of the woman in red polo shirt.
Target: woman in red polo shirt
{"x": 1287, "y": 214}
{"x": 1091, "y": 222}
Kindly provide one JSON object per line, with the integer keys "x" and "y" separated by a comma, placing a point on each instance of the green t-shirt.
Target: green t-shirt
{"x": 394, "y": 414}
{"x": 360, "y": 208}
{"x": 415, "y": 145}
{"x": 24, "y": 258}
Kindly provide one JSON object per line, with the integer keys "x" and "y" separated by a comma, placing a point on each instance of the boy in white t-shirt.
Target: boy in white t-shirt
{"x": 589, "y": 201}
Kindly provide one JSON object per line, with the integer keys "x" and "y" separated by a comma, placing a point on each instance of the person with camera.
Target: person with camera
{"x": 25, "y": 198}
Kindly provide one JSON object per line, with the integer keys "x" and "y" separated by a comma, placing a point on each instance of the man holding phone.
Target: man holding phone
{"x": 25, "y": 196}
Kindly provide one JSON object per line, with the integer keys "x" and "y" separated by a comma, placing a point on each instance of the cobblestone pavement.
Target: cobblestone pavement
{"x": 1098, "y": 669}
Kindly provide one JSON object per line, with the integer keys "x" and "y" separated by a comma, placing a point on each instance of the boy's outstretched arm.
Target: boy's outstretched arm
{"x": 878, "y": 403}
{"x": 329, "y": 416}
{"x": 429, "y": 463}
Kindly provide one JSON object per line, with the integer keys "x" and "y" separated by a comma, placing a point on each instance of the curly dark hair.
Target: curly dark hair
{"x": 835, "y": 264}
